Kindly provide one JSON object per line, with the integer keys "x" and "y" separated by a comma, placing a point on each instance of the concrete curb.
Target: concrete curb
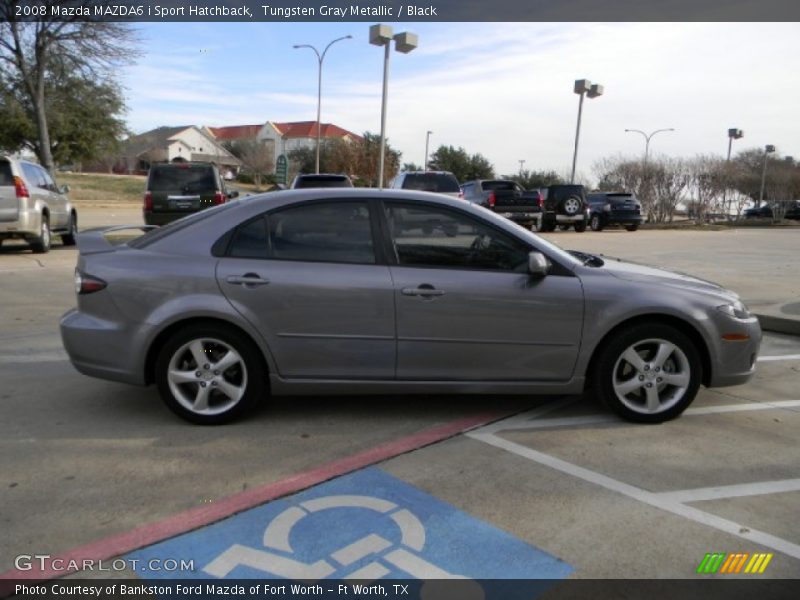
{"x": 779, "y": 324}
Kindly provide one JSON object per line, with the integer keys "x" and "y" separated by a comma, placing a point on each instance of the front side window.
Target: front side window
{"x": 328, "y": 232}
{"x": 431, "y": 236}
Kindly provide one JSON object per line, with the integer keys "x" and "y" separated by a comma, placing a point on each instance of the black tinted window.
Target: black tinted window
{"x": 430, "y": 182}
{"x": 6, "y": 178}
{"x": 330, "y": 232}
{"x": 437, "y": 237}
{"x": 182, "y": 178}
{"x": 316, "y": 181}
{"x": 497, "y": 186}
{"x": 250, "y": 240}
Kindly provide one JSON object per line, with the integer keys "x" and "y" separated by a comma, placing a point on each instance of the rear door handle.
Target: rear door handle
{"x": 247, "y": 280}
{"x": 425, "y": 290}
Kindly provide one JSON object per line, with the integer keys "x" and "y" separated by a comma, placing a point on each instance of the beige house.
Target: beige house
{"x": 175, "y": 144}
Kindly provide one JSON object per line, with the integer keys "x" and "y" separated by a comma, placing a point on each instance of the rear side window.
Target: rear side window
{"x": 250, "y": 240}
{"x": 6, "y": 178}
{"x": 499, "y": 186}
{"x": 186, "y": 179}
{"x": 316, "y": 181}
{"x": 33, "y": 175}
{"x": 324, "y": 232}
{"x": 430, "y": 182}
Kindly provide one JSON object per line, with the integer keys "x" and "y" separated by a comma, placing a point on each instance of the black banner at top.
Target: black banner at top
{"x": 400, "y": 10}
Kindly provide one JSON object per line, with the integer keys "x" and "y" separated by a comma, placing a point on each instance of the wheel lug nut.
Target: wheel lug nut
{"x": 216, "y": 372}
{"x": 658, "y": 369}
{"x": 197, "y": 374}
{"x": 206, "y": 367}
{"x": 647, "y": 367}
{"x": 659, "y": 380}
{"x": 649, "y": 385}
{"x": 213, "y": 384}
{"x": 202, "y": 384}
{"x": 641, "y": 377}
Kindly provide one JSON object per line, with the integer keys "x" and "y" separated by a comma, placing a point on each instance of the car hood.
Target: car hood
{"x": 631, "y": 271}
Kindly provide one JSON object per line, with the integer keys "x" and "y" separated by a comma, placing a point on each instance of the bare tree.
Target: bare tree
{"x": 707, "y": 177}
{"x": 668, "y": 178}
{"x": 257, "y": 158}
{"x": 52, "y": 47}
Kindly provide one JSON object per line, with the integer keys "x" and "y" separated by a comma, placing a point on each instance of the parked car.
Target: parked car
{"x": 759, "y": 212}
{"x": 507, "y": 198}
{"x": 565, "y": 206}
{"x": 440, "y": 182}
{"x": 314, "y": 292}
{"x": 614, "y": 208}
{"x": 177, "y": 189}
{"x": 792, "y": 210}
{"x": 320, "y": 180}
{"x": 33, "y": 207}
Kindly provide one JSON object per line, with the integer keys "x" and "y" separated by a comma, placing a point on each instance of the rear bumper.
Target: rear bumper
{"x": 28, "y": 223}
{"x": 100, "y": 348}
{"x": 612, "y": 219}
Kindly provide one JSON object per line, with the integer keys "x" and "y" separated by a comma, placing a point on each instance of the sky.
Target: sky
{"x": 504, "y": 90}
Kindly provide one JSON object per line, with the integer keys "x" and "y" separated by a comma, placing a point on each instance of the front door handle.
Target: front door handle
{"x": 247, "y": 280}
{"x": 425, "y": 290}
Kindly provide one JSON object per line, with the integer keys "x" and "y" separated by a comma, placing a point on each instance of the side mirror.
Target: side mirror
{"x": 538, "y": 265}
{"x": 64, "y": 189}
{"x": 233, "y": 194}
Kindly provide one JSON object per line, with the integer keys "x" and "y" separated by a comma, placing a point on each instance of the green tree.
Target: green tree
{"x": 531, "y": 180}
{"x": 36, "y": 57}
{"x": 461, "y": 164}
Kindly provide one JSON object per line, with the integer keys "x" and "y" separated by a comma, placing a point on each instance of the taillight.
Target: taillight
{"x": 19, "y": 188}
{"x": 492, "y": 199}
{"x": 219, "y": 198}
{"x": 86, "y": 284}
{"x": 148, "y": 201}
{"x": 540, "y": 200}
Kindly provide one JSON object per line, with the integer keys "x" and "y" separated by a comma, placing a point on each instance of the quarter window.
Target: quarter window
{"x": 437, "y": 237}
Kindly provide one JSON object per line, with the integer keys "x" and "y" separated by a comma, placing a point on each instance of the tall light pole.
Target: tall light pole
{"x": 733, "y": 134}
{"x": 582, "y": 87}
{"x": 320, "y": 58}
{"x": 647, "y": 138}
{"x": 768, "y": 149}
{"x": 427, "y": 141}
{"x": 382, "y": 35}
{"x": 521, "y": 162}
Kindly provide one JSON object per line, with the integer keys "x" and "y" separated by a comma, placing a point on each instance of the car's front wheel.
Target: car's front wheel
{"x": 210, "y": 374}
{"x": 648, "y": 373}
{"x": 580, "y": 226}
{"x": 595, "y": 223}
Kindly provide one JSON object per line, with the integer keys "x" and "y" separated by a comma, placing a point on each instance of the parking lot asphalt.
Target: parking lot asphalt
{"x": 84, "y": 460}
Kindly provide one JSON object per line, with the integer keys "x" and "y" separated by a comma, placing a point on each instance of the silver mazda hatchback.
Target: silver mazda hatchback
{"x": 365, "y": 291}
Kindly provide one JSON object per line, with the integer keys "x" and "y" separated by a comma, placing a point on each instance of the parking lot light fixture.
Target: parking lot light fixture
{"x": 768, "y": 149}
{"x": 320, "y": 59}
{"x": 733, "y": 134}
{"x": 405, "y": 42}
{"x": 583, "y": 87}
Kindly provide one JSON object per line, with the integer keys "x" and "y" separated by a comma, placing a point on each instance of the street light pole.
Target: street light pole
{"x": 768, "y": 149}
{"x": 382, "y": 35}
{"x": 521, "y": 162}
{"x": 733, "y": 134}
{"x": 647, "y": 139}
{"x": 427, "y": 140}
{"x": 582, "y": 86}
{"x": 320, "y": 59}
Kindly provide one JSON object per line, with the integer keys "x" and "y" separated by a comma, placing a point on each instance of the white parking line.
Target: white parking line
{"x": 733, "y": 491}
{"x": 778, "y": 357}
{"x": 656, "y": 500}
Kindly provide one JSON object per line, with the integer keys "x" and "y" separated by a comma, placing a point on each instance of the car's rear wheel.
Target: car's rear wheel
{"x": 648, "y": 373}
{"x": 68, "y": 239}
{"x": 580, "y": 226}
{"x": 633, "y": 227}
{"x": 595, "y": 223}
{"x": 41, "y": 243}
{"x": 210, "y": 374}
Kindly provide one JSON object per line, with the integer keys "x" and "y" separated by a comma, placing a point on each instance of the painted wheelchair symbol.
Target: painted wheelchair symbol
{"x": 276, "y": 538}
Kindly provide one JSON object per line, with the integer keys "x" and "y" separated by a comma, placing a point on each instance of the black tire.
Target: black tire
{"x": 41, "y": 243}
{"x": 595, "y": 223}
{"x": 580, "y": 226}
{"x": 548, "y": 225}
{"x": 563, "y": 227}
{"x": 246, "y": 375}
{"x": 633, "y": 227}
{"x": 68, "y": 239}
{"x": 681, "y": 362}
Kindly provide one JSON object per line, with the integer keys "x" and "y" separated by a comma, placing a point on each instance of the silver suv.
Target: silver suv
{"x": 32, "y": 206}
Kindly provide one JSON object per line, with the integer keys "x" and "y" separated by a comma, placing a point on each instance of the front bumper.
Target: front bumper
{"x": 733, "y": 362}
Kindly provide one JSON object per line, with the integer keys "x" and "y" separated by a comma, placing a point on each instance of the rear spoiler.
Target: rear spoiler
{"x": 94, "y": 241}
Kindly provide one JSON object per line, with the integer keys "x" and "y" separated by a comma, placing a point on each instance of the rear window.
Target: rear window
{"x": 316, "y": 181}
{"x": 5, "y": 173}
{"x": 183, "y": 178}
{"x": 431, "y": 182}
{"x": 499, "y": 186}
{"x": 620, "y": 197}
{"x": 559, "y": 192}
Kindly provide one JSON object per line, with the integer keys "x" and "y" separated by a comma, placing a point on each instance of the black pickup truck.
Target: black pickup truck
{"x": 506, "y": 198}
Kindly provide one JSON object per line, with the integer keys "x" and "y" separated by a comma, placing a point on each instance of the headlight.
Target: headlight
{"x": 737, "y": 310}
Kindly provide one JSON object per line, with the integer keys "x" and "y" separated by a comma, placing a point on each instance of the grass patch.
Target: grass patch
{"x": 92, "y": 190}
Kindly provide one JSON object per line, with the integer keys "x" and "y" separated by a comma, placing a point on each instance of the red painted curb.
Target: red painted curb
{"x": 146, "y": 535}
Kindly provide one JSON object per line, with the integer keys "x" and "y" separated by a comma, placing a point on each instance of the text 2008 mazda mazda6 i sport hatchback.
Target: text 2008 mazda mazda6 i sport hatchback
{"x": 365, "y": 291}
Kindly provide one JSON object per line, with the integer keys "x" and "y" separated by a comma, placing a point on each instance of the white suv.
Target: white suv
{"x": 32, "y": 207}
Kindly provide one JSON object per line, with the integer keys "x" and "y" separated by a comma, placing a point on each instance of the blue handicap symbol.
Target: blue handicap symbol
{"x": 366, "y": 525}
